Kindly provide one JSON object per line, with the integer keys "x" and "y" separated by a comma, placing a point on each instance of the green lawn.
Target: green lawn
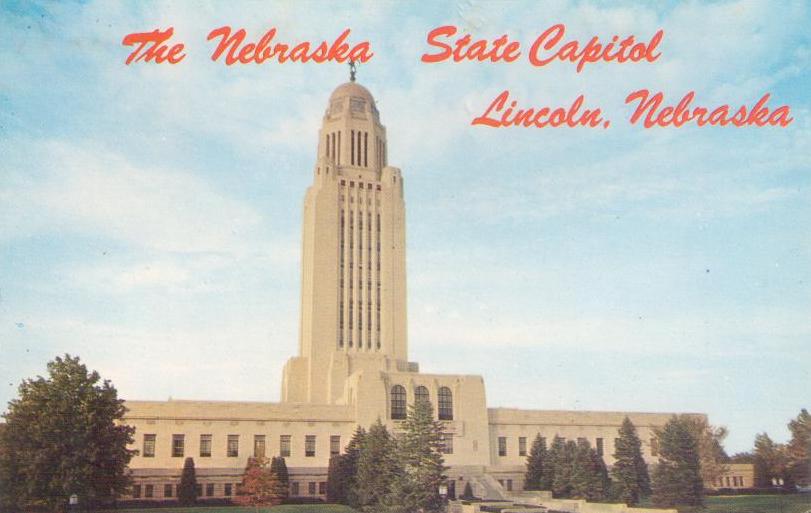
{"x": 797, "y": 503}
{"x": 285, "y": 508}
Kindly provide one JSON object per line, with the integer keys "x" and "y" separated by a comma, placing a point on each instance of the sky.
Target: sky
{"x": 150, "y": 215}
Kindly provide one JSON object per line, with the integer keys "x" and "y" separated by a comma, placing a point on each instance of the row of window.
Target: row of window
{"x": 232, "y": 445}
{"x": 398, "y": 401}
{"x": 599, "y": 445}
{"x": 731, "y": 481}
{"x": 353, "y": 316}
{"x": 150, "y": 491}
{"x": 358, "y": 148}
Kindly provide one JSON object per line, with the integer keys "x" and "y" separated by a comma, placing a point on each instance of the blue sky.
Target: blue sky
{"x": 150, "y": 215}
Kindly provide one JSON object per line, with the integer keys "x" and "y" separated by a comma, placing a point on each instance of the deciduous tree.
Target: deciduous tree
{"x": 64, "y": 436}
{"x": 711, "y": 452}
{"x": 799, "y": 449}
{"x": 260, "y": 485}
{"x": 770, "y": 460}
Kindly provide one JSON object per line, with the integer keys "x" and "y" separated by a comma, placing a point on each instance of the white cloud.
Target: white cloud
{"x": 69, "y": 188}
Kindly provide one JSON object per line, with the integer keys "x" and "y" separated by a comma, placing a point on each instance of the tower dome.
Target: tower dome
{"x": 352, "y": 89}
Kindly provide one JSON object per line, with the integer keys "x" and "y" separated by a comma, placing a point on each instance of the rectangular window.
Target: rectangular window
{"x": 309, "y": 446}
{"x": 284, "y": 446}
{"x": 198, "y": 490}
{"x": 334, "y": 445}
{"x": 136, "y": 491}
{"x": 600, "y": 447}
{"x": 581, "y": 441}
{"x": 149, "y": 491}
{"x": 227, "y": 490}
{"x": 178, "y": 445}
{"x": 509, "y": 485}
{"x": 502, "y": 446}
{"x": 654, "y": 447}
{"x": 205, "y": 446}
{"x": 258, "y": 446}
{"x": 447, "y": 443}
{"x": 294, "y": 488}
{"x": 167, "y": 491}
{"x": 322, "y": 488}
{"x": 210, "y": 490}
{"x": 522, "y": 446}
{"x": 149, "y": 446}
{"x": 233, "y": 446}
{"x": 311, "y": 487}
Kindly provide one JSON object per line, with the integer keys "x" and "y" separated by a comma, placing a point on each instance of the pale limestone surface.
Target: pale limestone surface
{"x": 353, "y": 347}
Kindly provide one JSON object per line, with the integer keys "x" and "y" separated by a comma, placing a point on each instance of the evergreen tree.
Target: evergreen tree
{"x": 420, "y": 462}
{"x": 677, "y": 477}
{"x": 63, "y": 435}
{"x": 260, "y": 485}
{"x": 555, "y": 454}
{"x": 536, "y": 462}
{"x": 336, "y": 480}
{"x": 187, "y": 489}
{"x": 799, "y": 449}
{"x": 349, "y": 467}
{"x": 279, "y": 468}
{"x": 589, "y": 476}
{"x": 601, "y": 482}
{"x": 562, "y": 483}
{"x": 467, "y": 493}
{"x": 630, "y": 472}
{"x": 377, "y": 469}
{"x": 581, "y": 477}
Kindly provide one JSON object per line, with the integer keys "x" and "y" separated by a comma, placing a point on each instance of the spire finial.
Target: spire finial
{"x": 352, "y": 70}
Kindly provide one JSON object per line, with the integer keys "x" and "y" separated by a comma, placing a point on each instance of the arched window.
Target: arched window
{"x": 421, "y": 394}
{"x": 398, "y": 402}
{"x": 445, "y": 404}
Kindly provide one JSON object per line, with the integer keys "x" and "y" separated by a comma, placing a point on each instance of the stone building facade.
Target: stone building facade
{"x": 352, "y": 367}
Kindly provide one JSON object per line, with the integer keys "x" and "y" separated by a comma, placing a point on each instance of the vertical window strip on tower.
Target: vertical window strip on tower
{"x": 365, "y": 148}
{"x": 339, "y": 147}
{"x": 352, "y": 148}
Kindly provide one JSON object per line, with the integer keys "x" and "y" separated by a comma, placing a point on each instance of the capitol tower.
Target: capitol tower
{"x": 352, "y": 367}
{"x": 353, "y": 284}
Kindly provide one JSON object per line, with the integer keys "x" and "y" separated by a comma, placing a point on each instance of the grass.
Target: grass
{"x": 795, "y": 503}
{"x": 284, "y": 508}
